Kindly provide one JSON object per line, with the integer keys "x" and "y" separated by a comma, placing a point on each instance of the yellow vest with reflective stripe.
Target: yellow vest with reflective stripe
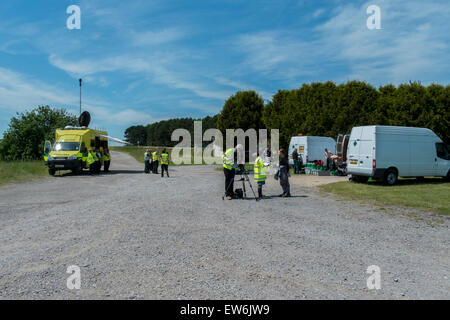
{"x": 165, "y": 158}
{"x": 155, "y": 156}
{"x": 90, "y": 159}
{"x": 260, "y": 174}
{"x": 106, "y": 157}
{"x": 228, "y": 159}
{"x": 94, "y": 155}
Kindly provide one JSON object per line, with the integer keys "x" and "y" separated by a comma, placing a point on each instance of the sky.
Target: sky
{"x": 143, "y": 61}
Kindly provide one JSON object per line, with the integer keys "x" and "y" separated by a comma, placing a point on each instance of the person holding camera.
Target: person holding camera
{"x": 230, "y": 162}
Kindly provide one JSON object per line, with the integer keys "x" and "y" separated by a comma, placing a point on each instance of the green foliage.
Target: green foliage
{"x": 136, "y": 135}
{"x": 325, "y": 109}
{"x": 27, "y": 132}
{"x": 160, "y": 133}
{"x": 243, "y": 110}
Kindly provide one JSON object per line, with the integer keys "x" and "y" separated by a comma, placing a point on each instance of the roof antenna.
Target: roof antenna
{"x": 81, "y": 80}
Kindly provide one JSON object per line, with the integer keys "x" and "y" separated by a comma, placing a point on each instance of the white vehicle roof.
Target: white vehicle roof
{"x": 391, "y": 130}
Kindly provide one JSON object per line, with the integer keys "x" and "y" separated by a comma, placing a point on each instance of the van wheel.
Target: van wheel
{"x": 390, "y": 177}
{"x": 51, "y": 172}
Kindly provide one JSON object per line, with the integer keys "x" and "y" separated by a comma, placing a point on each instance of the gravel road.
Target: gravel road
{"x": 138, "y": 236}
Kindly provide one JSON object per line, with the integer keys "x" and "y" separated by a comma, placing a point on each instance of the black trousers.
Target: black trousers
{"x": 147, "y": 166}
{"x": 229, "y": 181}
{"x": 284, "y": 180}
{"x": 155, "y": 166}
{"x": 164, "y": 167}
{"x": 106, "y": 165}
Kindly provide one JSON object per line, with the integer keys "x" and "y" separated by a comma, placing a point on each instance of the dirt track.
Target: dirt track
{"x": 138, "y": 236}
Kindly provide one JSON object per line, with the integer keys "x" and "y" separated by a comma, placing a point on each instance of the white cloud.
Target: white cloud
{"x": 20, "y": 92}
{"x": 151, "y": 38}
{"x": 413, "y": 44}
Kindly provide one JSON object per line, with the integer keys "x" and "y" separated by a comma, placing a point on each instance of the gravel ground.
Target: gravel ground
{"x": 137, "y": 236}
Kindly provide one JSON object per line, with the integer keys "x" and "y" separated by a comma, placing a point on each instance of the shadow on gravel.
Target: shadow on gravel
{"x": 86, "y": 173}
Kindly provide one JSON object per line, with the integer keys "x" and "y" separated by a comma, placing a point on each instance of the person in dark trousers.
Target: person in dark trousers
{"x": 284, "y": 173}
{"x": 296, "y": 162}
{"x": 98, "y": 159}
{"x": 155, "y": 161}
{"x": 147, "y": 161}
{"x": 328, "y": 155}
{"x": 106, "y": 160}
{"x": 230, "y": 162}
{"x": 164, "y": 163}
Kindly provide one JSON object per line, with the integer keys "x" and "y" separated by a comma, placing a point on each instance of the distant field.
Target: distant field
{"x": 21, "y": 171}
{"x": 138, "y": 152}
{"x": 432, "y": 194}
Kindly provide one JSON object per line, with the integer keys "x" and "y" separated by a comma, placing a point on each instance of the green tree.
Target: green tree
{"x": 136, "y": 135}
{"x": 242, "y": 110}
{"x": 24, "y": 139}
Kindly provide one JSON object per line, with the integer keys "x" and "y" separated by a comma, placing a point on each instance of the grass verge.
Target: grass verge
{"x": 431, "y": 194}
{"x": 138, "y": 153}
{"x": 21, "y": 171}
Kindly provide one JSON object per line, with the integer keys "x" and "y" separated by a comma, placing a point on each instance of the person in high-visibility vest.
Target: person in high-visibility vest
{"x": 155, "y": 161}
{"x": 230, "y": 159}
{"x": 106, "y": 160}
{"x": 147, "y": 161}
{"x": 98, "y": 159}
{"x": 164, "y": 163}
{"x": 259, "y": 169}
{"x": 91, "y": 161}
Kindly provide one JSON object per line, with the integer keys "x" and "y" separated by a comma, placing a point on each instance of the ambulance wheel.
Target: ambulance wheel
{"x": 51, "y": 172}
{"x": 390, "y": 177}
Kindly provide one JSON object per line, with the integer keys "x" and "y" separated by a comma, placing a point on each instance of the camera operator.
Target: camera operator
{"x": 230, "y": 159}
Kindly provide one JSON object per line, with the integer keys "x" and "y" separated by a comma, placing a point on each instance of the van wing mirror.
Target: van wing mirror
{"x": 47, "y": 147}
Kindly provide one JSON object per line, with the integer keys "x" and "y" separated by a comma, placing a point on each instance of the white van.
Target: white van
{"x": 389, "y": 152}
{"x": 311, "y": 148}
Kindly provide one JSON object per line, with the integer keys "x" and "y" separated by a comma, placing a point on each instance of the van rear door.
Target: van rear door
{"x": 361, "y": 150}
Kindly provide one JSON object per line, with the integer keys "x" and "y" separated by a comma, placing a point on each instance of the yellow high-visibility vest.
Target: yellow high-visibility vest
{"x": 155, "y": 156}
{"x": 260, "y": 174}
{"x": 90, "y": 158}
{"x": 228, "y": 159}
{"x": 165, "y": 158}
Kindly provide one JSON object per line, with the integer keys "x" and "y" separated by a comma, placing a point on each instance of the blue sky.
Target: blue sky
{"x": 144, "y": 61}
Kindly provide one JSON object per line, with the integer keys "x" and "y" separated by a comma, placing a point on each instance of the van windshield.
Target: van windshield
{"x": 442, "y": 151}
{"x": 66, "y": 146}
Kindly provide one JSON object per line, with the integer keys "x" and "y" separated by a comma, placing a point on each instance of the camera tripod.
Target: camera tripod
{"x": 244, "y": 178}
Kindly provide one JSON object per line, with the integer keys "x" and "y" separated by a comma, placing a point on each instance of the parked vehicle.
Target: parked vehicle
{"x": 311, "y": 148}
{"x": 388, "y": 152}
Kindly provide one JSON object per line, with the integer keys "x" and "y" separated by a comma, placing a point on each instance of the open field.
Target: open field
{"x": 432, "y": 194}
{"x": 138, "y": 152}
{"x": 21, "y": 171}
{"x": 140, "y": 236}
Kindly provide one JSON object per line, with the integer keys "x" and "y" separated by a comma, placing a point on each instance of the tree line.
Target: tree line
{"x": 319, "y": 109}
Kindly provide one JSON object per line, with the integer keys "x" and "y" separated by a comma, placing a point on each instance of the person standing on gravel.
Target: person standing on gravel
{"x": 147, "y": 161}
{"x": 164, "y": 163}
{"x": 284, "y": 174}
{"x": 230, "y": 160}
{"x": 296, "y": 162}
{"x": 155, "y": 161}
{"x": 259, "y": 169}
